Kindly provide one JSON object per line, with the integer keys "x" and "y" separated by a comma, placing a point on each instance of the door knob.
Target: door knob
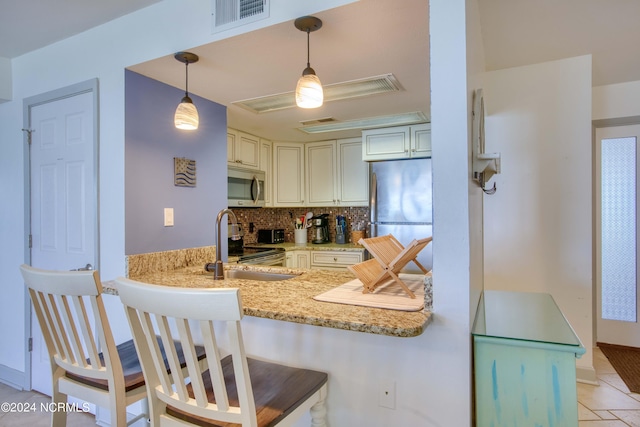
{"x": 87, "y": 267}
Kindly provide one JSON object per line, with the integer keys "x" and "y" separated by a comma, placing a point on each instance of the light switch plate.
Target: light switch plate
{"x": 168, "y": 217}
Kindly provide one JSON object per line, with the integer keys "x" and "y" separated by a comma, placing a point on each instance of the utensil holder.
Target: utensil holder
{"x": 300, "y": 236}
{"x": 356, "y": 236}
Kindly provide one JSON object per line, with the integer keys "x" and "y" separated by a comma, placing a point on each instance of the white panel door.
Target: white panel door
{"x": 617, "y": 179}
{"x": 63, "y": 199}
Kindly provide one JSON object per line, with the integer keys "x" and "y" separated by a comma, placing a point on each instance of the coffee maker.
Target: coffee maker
{"x": 321, "y": 228}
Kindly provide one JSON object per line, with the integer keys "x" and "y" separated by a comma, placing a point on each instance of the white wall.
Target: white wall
{"x": 538, "y": 225}
{"x": 5, "y": 80}
{"x": 616, "y": 101}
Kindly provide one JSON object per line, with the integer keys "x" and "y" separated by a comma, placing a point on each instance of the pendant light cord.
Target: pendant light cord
{"x": 186, "y": 82}
{"x": 308, "y": 62}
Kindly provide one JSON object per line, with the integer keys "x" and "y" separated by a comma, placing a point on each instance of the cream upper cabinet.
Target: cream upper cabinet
{"x": 243, "y": 149}
{"x": 266, "y": 164}
{"x": 288, "y": 174}
{"x": 400, "y": 142}
{"x": 353, "y": 173}
{"x": 336, "y": 174}
{"x": 321, "y": 173}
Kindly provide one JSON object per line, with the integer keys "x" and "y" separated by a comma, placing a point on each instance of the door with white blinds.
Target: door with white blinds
{"x": 617, "y": 158}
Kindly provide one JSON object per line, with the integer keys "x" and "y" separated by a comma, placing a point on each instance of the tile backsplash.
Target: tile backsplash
{"x": 267, "y": 218}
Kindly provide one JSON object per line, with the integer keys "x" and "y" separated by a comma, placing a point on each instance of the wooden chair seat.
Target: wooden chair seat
{"x": 131, "y": 369}
{"x": 278, "y": 390}
{"x": 389, "y": 258}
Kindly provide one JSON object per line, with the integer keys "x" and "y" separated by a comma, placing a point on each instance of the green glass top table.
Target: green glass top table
{"x": 524, "y": 316}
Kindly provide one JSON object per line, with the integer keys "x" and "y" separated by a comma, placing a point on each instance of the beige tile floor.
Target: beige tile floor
{"x": 610, "y": 404}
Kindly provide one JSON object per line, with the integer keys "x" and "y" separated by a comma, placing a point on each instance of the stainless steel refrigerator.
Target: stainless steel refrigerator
{"x": 400, "y": 203}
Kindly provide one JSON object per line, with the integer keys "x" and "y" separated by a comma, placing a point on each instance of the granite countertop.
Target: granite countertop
{"x": 292, "y": 300}
{"x": 346, "y": 247}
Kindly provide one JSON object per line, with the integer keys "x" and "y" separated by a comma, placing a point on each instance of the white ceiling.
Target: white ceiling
{"x": 27, "y": 25}
{"x": 366, "y": 38}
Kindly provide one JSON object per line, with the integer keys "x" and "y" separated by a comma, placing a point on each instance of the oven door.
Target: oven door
{"x": 245, "y": 188}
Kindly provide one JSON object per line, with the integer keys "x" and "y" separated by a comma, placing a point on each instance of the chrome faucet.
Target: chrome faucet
{"x": 235, "y": 235}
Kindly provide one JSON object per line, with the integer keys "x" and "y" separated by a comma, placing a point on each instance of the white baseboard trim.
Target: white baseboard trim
{"x": 586, "y": 375}
{"x": 13, "y": 377}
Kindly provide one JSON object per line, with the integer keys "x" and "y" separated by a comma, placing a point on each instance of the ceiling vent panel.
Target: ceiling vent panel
{"x": 227, "y": 14}
{"x": 332, "y": 92}
{"x": 411, "y": 118}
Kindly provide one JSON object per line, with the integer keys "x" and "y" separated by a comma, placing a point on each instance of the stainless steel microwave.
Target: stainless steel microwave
{"x": 245, "y": 187}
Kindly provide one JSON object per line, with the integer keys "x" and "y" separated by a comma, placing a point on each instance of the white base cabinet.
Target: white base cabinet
{"x": 298, "y": 259}
{"x": 321, "y": 259}
{"x": 334, "y": 260}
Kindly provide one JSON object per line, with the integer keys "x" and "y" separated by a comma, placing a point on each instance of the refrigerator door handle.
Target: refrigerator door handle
{"x": 373, "y": 202}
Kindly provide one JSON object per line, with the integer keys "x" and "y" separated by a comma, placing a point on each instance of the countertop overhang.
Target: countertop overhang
{"x": 292, "y": 300}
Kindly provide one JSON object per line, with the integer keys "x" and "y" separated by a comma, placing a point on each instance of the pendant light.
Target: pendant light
{"x": 309, "y": 89}
{"x": 186, "y": 116}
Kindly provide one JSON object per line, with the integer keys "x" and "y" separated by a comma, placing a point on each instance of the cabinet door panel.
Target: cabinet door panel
{"x": 354, "y": 174}
{"x": 385, "y": 144}
{"x": 288, "y": 175}
{"x": 421, "y": 141}
{"x": 321, "y": 173}
{"x": 248, "y": 152}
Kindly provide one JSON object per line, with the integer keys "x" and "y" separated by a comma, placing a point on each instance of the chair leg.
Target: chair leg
{"x": 118, "y": 412}
{"x": 319, "y": 414}
{"x": 58, "y": 417}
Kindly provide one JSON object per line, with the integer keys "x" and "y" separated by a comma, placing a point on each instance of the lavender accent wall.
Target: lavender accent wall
{"x": 151, "y": 143}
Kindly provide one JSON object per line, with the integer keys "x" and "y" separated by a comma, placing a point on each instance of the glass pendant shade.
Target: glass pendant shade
{"x": 309, "y": 91}
{"x": 186, "y": 116}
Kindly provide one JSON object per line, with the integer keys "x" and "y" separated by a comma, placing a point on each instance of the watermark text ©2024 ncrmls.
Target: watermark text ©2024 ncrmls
{"x": 44, "y": 407}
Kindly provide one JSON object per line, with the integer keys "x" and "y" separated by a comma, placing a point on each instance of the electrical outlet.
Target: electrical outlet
{"x": 168, "y": 217}
{"x": 387, "y": 394}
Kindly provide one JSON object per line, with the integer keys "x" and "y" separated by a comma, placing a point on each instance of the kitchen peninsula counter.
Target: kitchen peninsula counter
{"x": 292, "y": 300}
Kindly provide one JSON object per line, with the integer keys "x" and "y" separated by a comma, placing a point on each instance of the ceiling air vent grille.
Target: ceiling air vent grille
{"x": 333, "y": 92}
{"x": 226, "y": 14}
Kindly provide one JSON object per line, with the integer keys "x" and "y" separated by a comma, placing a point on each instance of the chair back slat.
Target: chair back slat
{"x": 87, "y": 333}
{"x": 191, "y": 359}
{"x": 75, "y": 345}
{"x": 177, "y": 378}
{"x": 241, "y": 371}
{"x": 149, "y": 345}
{"x": 191, "y": 312}
{"x": 57, "y": 327}
{"x": 215, "y": 369}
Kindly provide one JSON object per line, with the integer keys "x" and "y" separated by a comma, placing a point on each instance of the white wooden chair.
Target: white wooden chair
{"x": 75, "y": 328}
{"x": 234, "y": 390}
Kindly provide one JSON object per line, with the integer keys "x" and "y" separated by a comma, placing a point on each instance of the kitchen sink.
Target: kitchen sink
{"x": 257, "y": 275}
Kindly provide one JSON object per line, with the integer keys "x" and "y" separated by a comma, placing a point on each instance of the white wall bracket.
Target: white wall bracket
{"x": 484, "y": 165}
